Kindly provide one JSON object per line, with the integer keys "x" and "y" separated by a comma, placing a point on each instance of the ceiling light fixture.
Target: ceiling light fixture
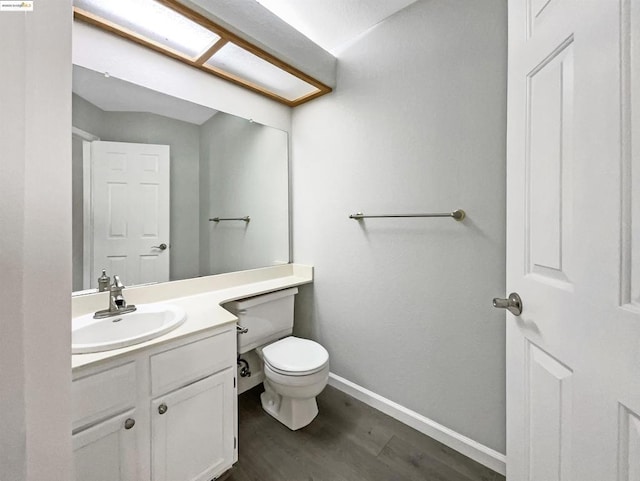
{"x": 169, "y": 27}
{"x": 155, "y": 22}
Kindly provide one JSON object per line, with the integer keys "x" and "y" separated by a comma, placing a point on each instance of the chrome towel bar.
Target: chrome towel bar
{"x": 458, "y": 215}
{"x": 218, "y": 219}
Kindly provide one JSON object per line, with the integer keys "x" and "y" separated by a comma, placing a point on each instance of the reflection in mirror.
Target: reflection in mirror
{"x": 150, "y": 171}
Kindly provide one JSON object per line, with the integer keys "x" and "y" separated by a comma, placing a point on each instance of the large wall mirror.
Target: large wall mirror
{"x": 164, "y": 189}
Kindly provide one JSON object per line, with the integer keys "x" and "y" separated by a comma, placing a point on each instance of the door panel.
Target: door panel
{"x": 150, "y": 208}
{"x": 117, "y": 200}
{"x": 629, "y": 443}
{"x": 548, "y": 399}
{"x": 630, "y": 40}
{"x": 548, "y": 179}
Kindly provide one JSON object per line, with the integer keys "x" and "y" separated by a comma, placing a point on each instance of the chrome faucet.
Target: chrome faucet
{"x": 117, "y": 303}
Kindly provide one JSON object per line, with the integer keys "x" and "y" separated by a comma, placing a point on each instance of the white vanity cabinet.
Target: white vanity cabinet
{"x": 162, "y": 413}
{"x": 193, "y": 410}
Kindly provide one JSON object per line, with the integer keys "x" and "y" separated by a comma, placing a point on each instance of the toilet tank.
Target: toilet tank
{"x": 268, "y": 317}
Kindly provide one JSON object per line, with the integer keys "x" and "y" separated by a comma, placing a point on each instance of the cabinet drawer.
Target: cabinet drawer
{"x": 182, "y": 365}
{"x": 98, "y": 396}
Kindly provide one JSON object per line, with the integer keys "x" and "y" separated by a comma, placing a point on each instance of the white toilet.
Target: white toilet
{"x": 295, "y": 370}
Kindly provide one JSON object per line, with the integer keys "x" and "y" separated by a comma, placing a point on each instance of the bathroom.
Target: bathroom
{"x": 417, "y": 122}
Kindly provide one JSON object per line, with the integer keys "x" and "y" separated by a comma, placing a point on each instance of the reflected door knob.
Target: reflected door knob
{"x": 513, "y": 303}
{"x": 162, "y": 246}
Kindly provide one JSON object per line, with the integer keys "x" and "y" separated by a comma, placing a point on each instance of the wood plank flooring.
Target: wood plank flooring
{"x": 348, "y": 441}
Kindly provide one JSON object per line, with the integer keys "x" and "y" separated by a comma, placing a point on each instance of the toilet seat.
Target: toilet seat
{"x": 293, "y": 356}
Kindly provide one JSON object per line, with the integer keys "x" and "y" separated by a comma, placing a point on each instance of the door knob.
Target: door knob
{"x": 162, "y": 408}
{"x": 513, "y": 304}
{"x": 162, "y": 246}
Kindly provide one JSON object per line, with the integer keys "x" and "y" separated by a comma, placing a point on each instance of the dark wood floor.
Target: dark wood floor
{"x": 348, "y": 441}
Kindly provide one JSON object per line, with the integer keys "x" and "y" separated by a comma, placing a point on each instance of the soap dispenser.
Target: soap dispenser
{"x": 103, "y": 281}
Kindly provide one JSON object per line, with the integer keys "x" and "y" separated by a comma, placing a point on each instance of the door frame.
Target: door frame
{"x": 87, "y": 202}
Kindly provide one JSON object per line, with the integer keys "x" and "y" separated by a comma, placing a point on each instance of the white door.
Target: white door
{"x": 192, "y": 433}
{"x": 130, "y": 210}
{"x": 573, "y": 240}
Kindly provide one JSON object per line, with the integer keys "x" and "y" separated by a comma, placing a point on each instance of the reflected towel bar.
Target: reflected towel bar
{"x": 218, "y": 219}
{"x": 458, "y": 215}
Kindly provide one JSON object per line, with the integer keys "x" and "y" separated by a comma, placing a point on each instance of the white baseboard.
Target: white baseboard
{"x": 464, "y": 445}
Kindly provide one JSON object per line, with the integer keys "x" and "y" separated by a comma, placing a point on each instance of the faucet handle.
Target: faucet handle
{"x": 117, "y": 283}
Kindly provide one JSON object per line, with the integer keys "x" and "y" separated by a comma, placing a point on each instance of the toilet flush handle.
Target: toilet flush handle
{"x": 241, "y": 330}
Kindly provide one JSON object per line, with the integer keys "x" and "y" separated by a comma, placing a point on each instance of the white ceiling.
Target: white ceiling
{"x": 114, "y": 95}
{"x": 333, "y": 24}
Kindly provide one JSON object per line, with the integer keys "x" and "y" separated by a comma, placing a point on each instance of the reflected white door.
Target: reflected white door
{"x": 130, "y": 211}
{"x": 573, "y": 240}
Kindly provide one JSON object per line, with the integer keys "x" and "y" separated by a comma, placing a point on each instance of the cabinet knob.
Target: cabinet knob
{"x": 162, "y": 408}
{"x": 129, "y": 423}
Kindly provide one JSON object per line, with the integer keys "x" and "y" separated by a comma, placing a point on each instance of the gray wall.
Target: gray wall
{"x": 89, "y": 118}
{"x": 244, "y": 171}
{"x": 183, "y": 139}
{"x": 416, "y": 124}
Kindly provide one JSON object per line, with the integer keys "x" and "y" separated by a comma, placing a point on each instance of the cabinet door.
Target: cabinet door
{"x": 108, "y": 450}
{"x": 192, "y": 430}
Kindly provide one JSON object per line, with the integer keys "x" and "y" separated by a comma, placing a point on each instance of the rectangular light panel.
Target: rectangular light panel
{"x": 241, "y": 63}
{"x": 155, "y": 22}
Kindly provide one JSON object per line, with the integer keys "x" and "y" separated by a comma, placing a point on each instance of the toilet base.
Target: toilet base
{"x": 295, "y": 413}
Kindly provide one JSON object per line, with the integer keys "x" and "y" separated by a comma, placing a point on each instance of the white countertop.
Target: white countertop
{"x": 200, "y": 298}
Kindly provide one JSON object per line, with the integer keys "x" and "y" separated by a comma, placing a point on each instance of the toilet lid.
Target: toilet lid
{"x": 296, "y": 356}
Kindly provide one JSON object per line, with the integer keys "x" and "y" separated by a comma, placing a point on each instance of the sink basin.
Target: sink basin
{"x": 147, "y": 322}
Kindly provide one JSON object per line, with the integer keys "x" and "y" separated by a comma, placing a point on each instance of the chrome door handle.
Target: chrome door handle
{"x": 513, "y": 303}
{"x": 162, "y": 246}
